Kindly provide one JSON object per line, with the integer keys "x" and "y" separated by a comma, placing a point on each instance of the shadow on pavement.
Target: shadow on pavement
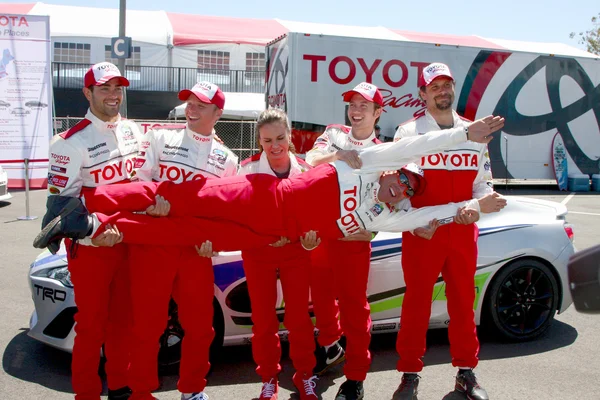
{"x": 438, "y": 348}
{"x": 455, "y": 395}
{"x": 29, "y": 360}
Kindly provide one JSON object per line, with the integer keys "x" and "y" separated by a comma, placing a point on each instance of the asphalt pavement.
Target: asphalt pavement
{"x": 562, "y": 364}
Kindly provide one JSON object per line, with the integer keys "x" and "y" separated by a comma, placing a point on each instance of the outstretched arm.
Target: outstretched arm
{"x": 390, "y": 156}
{"x": 413, "y": 218}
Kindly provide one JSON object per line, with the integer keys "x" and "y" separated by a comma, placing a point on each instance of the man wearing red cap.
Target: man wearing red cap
{"x": 177, "y": 153}
{"x": 458, "y": 174}
{"x": 99, "y": 150}
{"x": 345, "y": 263}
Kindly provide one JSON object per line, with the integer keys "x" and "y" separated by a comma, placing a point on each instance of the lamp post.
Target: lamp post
{"x": 121, "y": 61}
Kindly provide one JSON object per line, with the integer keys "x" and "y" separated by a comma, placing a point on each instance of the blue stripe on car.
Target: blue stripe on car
{"x": 48, "y": 259}
{"x": 226, "y": 274}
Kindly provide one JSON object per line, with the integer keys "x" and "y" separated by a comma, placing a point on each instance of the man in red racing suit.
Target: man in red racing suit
{"x": 457, "y": 174}
{"x": 100, "y": 150}
{"x": 177, "y": 153}
{"x": 349, "y": 201}
{"x": 345, "y": 264}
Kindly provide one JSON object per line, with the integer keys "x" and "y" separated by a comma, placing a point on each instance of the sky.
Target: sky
{"x": 527, "y": 20}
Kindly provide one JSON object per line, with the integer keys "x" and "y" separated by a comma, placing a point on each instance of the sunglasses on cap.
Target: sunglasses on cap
{"x": 408, "y": 190}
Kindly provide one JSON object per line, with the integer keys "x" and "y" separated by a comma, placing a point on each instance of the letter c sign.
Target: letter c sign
{"x": 120, "y": 47}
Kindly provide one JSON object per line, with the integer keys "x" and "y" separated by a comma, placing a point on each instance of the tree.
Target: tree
{"x": 590, "y": 38}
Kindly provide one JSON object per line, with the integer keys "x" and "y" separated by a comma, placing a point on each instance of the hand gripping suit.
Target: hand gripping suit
{"x": 346, "y": 266}
{"x": 91, "y": 154}
{"x": 174, "y": 154}
{"x": 262, "y": 267}
{"x": 457, "y": 174}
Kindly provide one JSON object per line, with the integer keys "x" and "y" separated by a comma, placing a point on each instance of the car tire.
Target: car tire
{"x": 169, "y": 354}
{"x": 521, "y": 301}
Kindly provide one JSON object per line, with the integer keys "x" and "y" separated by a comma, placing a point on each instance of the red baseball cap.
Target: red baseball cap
{"x": 368, "y": 91}
{"x": 418, "y": 173}
{"x": 206, "y": 92}
{"x": 432, "y": 72}
{"x": 101, "y": 73}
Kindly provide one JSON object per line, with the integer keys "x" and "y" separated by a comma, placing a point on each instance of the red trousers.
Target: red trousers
{"x": 231, "y": 211}
{"x": 452, "y": 252}
{"x": 262, "y": 268}
{"x": 101, "y": 287}
{"x": 323, "y": 297}
{"x": 351, "y": 262}
{"x": 156, "y": 274}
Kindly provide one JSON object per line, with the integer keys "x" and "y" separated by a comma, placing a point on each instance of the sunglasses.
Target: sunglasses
{"x": 408, "y": 190}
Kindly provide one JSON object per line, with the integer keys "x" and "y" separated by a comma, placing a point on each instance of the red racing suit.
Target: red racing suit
{"x": 457, "y": 174}
{"x": 91, "y": 154}
{"x": 347, "y": 202}
{"x": 263, "y": 266}
{"x": 174, "y": 154}
{"x": 346, "y": 266}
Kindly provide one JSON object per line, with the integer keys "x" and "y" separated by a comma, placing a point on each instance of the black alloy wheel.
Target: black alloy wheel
{"x": 522, "y": 300}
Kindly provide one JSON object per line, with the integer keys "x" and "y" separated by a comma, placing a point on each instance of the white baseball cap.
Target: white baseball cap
{"x": 433, "y": 71}
{"x": 101, "y": 73}
{"x": 368, "y": 91}
{"x": 206, "y": 92}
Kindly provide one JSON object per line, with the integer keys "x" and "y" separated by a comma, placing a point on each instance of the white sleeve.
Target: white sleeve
{"x": 483, "y": 183}
{"x": 245, "y": 170}
{"x": 64, "y": 168}
{"x": 413, "y": 218}
{"x": 390, "y": 156}
{"x": 232, "y": 165}
{"x": 400, "y": 133}
{"x": 147, "y": 160}
{"x": 321, "y": 147}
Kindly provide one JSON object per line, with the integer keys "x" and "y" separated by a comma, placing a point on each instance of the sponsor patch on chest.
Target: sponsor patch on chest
{"x": 451, "y": 160}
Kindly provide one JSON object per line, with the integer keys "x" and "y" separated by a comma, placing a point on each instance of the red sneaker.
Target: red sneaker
{"x": 269, "y": 390}
{"x": 306, "y": 384}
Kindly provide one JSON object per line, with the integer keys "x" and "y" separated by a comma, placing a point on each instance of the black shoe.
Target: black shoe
{"x": 466, "y": 383}
{"x": 54, "y": 246}
{"x": 119, "y": 394}
{"x": 408, "y": 388}
{"x": 351, "y": 390}
{"x": 66, "y": 217}
{"x": 326, "y": 359}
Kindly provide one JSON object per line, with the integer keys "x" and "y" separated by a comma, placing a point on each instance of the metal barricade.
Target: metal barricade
{"x": 239, "y": 136}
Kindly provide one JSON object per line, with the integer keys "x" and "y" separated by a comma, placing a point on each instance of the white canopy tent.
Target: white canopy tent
{"x": 239, "y": 106}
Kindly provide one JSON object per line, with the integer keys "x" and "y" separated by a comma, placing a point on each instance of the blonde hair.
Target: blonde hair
{"x": 272, "y": 116}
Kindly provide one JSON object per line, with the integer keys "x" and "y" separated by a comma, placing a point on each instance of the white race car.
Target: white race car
{"x": 4, "y": 195}
{"x": 521, "y": 282}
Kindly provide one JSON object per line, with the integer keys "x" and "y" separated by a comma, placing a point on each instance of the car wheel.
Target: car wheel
{"x": 169, "y": 353}
{"x": 522, "y": 300}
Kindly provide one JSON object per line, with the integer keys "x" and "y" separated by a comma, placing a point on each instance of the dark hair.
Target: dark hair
{"x": 271, "y": 116}
{"x": 377, "y": 107}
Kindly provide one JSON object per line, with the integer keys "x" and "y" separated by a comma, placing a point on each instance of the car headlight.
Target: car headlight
{"x": 60, "y": 274}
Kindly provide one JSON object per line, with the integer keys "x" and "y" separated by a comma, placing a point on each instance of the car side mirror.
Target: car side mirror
{"x": 584, "y": 280}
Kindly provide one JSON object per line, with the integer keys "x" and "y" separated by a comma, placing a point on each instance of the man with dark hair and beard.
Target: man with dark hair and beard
{"x": 457, "y": 174}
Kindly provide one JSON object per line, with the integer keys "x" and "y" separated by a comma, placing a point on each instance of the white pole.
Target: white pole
{"x": 27, "y": 217}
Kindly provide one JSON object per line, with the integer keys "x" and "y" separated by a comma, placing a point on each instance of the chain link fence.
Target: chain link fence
{"x": 239, "y": 136}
